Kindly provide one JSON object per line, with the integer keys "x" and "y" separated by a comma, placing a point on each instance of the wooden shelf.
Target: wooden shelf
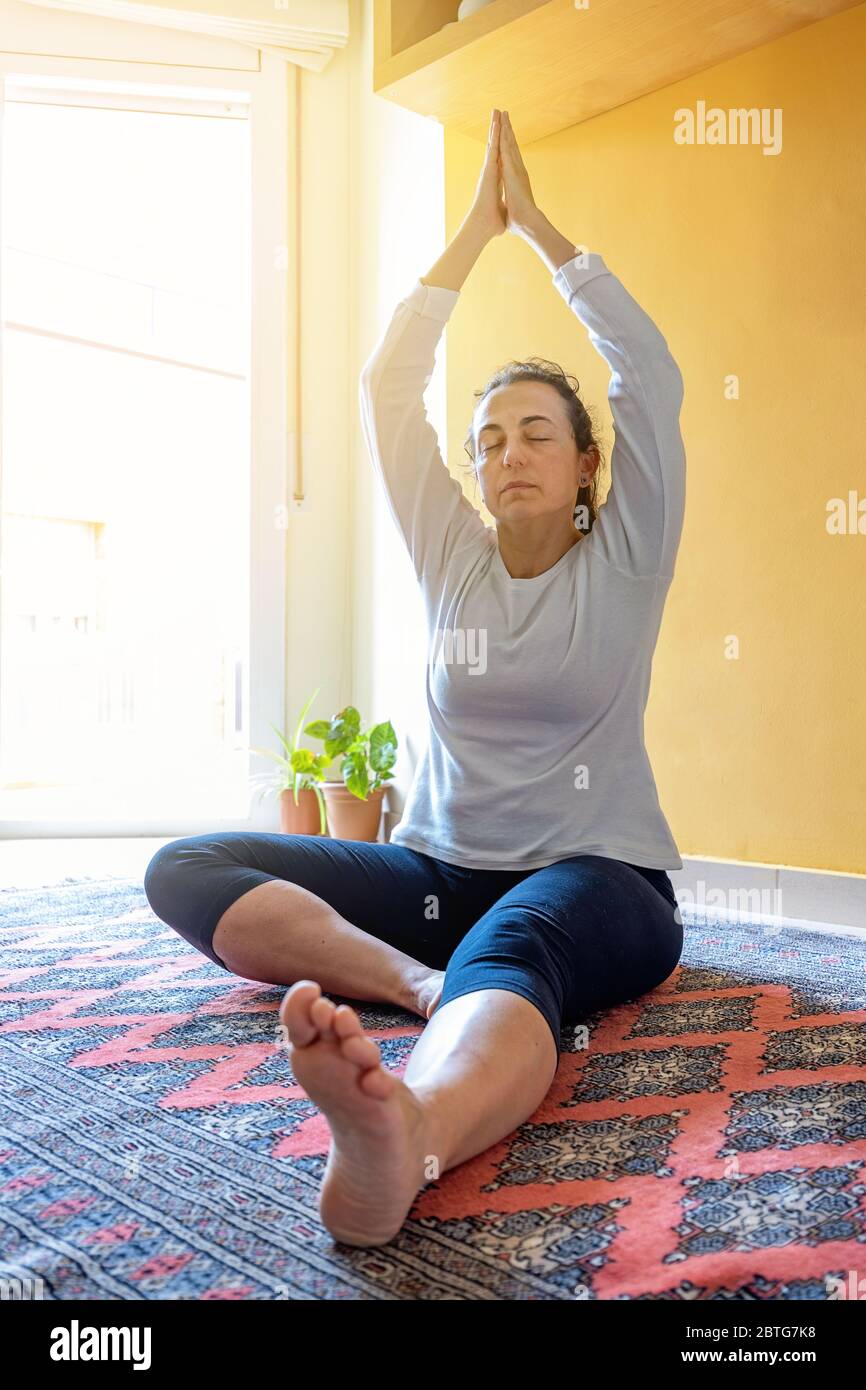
{"x": 552, "y": 65}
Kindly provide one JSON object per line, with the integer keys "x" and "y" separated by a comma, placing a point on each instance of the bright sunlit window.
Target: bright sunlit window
{"x": 125, "y": 292}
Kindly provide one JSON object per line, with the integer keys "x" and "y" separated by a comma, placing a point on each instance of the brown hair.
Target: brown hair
{"x": 582, "y": 427}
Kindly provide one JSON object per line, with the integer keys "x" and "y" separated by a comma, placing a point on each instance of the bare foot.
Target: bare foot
{"x": 379, "y": 1128}
{"x": 427, "y": 992}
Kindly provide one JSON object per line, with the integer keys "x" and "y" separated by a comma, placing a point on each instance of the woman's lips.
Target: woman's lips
{"x": 510, "y": 486}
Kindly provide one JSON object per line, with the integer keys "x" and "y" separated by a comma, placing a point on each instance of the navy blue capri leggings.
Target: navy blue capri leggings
{"x": 577, "y": 936}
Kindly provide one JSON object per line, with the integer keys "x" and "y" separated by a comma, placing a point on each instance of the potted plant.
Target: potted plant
{"x": 367, "y": 756}
{"x": 302, "y": 807}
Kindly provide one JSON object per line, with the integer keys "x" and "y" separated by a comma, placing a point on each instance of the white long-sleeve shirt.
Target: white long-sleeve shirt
{"x": 536, "y": 688}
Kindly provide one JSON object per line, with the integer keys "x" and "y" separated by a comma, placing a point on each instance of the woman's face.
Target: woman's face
{"x": 526, "y": 458}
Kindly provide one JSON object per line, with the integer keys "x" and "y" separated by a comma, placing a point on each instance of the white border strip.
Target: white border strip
{"x": 773, "y": 893}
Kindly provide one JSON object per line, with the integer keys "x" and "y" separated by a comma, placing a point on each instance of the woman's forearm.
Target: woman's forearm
{"x": 458, "y": 258}
{"x": 551, "y": 245}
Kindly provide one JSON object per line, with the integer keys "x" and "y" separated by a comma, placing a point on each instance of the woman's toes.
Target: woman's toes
{"x": 378, "y": 1082}
{"x": 322, "y": 1012}
{"x": 346, "y": 1023}
{"x": 360, "y": 1050}
{"x": 295, "y": 1012}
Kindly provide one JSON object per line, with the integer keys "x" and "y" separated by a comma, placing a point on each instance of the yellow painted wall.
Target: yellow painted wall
{"x": 755, "y": 265}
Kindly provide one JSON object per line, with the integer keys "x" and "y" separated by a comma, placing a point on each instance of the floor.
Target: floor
{"x": 25, "y": 863}
{"x": 703, "y": 1142}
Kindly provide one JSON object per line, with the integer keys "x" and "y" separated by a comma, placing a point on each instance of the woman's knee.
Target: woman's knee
{"x": 167, "y": 867}
{"x": 182, "y": 882}
{"x": 667, "y": 956}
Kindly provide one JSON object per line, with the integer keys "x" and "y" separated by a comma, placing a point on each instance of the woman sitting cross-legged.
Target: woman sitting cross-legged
{"x": 525, "y": 886}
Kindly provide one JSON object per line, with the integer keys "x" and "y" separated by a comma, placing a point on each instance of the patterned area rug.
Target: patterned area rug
{"x": 708, "y": 1142}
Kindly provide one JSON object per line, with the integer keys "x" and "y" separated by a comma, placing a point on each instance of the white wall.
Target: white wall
{"x": 398, "y": 215}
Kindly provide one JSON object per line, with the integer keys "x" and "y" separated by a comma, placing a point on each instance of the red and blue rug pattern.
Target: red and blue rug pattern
{"x": 707, "y": 1141}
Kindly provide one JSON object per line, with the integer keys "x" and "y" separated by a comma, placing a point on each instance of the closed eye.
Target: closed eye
{"x": 533, "y": 439}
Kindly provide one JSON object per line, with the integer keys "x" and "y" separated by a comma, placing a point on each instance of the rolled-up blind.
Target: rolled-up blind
{"x": 305, "y": 32}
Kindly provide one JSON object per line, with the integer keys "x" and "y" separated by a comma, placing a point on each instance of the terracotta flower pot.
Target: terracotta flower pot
{"x": 302, "y": 819}
{"x": 349, "y": 818}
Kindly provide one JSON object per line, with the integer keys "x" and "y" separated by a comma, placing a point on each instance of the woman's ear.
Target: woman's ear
{"x": 589, "y": 461}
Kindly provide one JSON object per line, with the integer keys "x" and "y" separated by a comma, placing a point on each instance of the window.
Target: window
{"x": 130, "y": 604}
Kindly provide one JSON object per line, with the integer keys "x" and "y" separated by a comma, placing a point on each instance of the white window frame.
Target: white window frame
{"x": 267, "y": 80}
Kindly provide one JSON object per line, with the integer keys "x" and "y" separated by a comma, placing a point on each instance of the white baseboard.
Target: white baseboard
{"x": 816, "y": 898}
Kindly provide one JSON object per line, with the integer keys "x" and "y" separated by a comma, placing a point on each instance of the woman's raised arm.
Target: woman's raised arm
{"x": 485, "y": 220}
{"x": 639, "y": 526}
{"x": 429, "y": 507}
{"x": 640, "y": 522}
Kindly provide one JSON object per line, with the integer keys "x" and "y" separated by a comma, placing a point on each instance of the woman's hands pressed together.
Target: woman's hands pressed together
{"x": 503, "y": 195}
{"x": 520, "y": 206}
{"x": 503, "y": 202}
{"x": 523, "y": 216}
{"x": 487, "y": 212}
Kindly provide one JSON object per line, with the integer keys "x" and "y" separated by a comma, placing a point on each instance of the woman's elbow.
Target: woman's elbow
{"x": 673, "y": 379}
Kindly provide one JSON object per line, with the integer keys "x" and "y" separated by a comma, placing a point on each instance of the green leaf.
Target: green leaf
{"x": 323, "y": 815}
{"x": 303, "y": 760}
{"x": 277, "y": 757}
{"x": 320, "y": 728}
{"x": 383, "y": 746}
{"x": 345, "y": 728}
{"x": 354, "y": 770}
{"x": 283, "y": 740}
{"x": 303, "y": 712}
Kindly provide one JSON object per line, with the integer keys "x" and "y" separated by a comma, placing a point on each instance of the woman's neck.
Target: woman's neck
{"x": 526, "y": 556}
